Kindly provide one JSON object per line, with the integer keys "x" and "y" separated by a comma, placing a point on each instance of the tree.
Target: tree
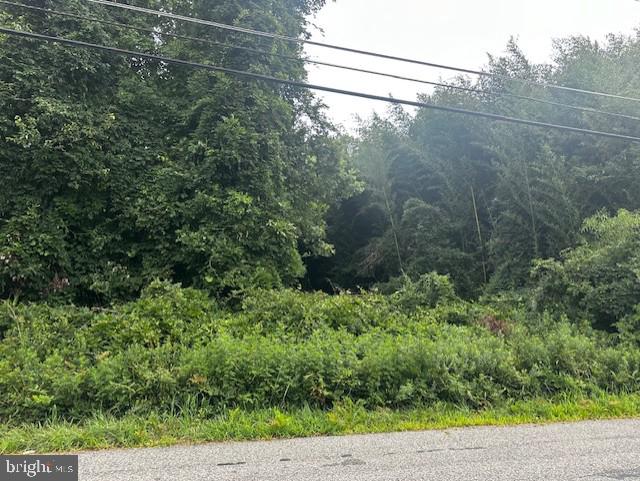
{"x": 120, "y": 170}
{"x": 598, "y": 280}
{"x": 481, "y": 200}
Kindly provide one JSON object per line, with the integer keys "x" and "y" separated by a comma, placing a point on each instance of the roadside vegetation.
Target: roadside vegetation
{"x": 103, "y": 431}
{"x": 177, "y": 365}
{"x": 186, "y": 256}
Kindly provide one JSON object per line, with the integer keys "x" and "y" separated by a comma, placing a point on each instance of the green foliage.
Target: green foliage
{"x": 598, "y": 280}
{"x": 629, "y": 328}
{"x": 156, "y": 429}
{"x": 478, "y": 200}
{"x": 428, "y": 291}
{"x": 174, "y": 350}
{"x": 119, "y": 170}
{"x": 294, "y": 313}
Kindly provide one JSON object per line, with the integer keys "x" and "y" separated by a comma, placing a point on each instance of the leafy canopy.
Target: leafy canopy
{"x": 117, "y": 170}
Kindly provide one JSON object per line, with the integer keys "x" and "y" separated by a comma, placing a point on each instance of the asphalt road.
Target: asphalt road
{"x": 588, "y": 451}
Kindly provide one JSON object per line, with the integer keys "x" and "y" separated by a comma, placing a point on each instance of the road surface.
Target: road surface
{"x": 587, "y": 451}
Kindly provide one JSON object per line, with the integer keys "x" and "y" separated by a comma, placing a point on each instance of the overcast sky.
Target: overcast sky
{"x": 453, "y": 32}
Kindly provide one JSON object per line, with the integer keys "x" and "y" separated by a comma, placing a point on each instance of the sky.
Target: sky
{"x": 453, "y": 32}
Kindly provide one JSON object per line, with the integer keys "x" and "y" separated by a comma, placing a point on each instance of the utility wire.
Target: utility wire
{"x": 145, "y": 30}
{"x": 322, "y": 88}
{"x": 321, "y": 63}
{"x": 287, "y": 38}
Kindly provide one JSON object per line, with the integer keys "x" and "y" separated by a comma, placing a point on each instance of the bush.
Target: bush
{"x": 428, "y": 291}
{"x": 175, "y": 348}
{"x": 300, "y": 314}
{"x": 629, "y": 328}
{"x": 598, "y": 280}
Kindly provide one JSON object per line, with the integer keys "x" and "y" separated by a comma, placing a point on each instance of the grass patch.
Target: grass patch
{"x": 102, "y": 432}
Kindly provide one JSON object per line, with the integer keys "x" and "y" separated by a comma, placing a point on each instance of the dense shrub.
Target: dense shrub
{"x": 175, "y": 348}
{"x": 629, "y": 328}
{"x": 600, "y": 279}
{"x": 429, "y": 290}
{"x": 300, "y": 314}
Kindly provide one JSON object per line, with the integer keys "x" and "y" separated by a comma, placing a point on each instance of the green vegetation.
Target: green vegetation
{"x": 481, "y": 201}
{"x": 116, "y": 171}
{"x": 600, "y": 278}
{"x": 175, "y": 350}
{"x": 101, "y": 432}
{"x": 186, "y": 256}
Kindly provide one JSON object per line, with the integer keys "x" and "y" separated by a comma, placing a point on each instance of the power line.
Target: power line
{"x": 322, "y": 63}
{"x": 143, "y": 29}
{"x": 322, "y": 88}
{"x": 104, "y": 22}
{"x": 287, "y": 38}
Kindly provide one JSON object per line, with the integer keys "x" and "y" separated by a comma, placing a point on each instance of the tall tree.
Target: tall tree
{"x": 117, "y": 170}
{"x": 481, "y": 200}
